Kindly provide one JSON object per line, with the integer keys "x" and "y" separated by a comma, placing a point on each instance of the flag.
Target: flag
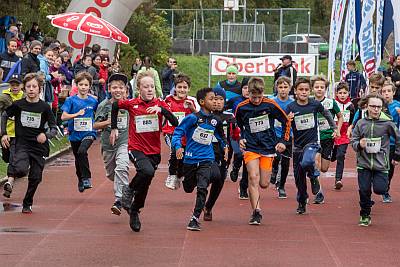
{"x": 388, "y": 22}
{"x": 366, "y": 37}
{"x": 396, "y": 19}
{"x": 380, "y": 5}
{"x": 348, "y": 37}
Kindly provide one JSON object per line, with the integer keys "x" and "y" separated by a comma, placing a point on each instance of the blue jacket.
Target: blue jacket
{"x": 393, "y": 110}
{"x": 356, "y": 82}
{"x": 199, "y": 128}
{"x": 44, "y": 66}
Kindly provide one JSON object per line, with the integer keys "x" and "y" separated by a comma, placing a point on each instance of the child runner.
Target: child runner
{"x": 339, "y": 152}
{"x": 32, "y": 116}
{"x": 145, "y": 122}
{"x": 327, "y": 135}
{"x": 304, "y": 112}
{"x": 199, "y": 163}
{"x": 255, "y": 117}
{"x": 79, "y": 111}
{"x": 181, "y": 105}
{"x": 116, "y": 159}
{"x": 9, "y": 96}
{"x": 371, "y": 141}
{"x": 388, "y": 92}
{"x": 283, "y": 159}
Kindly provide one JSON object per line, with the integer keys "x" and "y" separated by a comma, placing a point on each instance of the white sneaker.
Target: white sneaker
{"x": 170, "y": 182}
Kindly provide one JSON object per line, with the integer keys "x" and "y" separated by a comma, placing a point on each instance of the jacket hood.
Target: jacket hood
{"x": 343, "y": 102}
{"x": 382, "y": 117}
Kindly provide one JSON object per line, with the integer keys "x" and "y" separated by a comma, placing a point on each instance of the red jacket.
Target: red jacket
{"x": 144, "y": 128}
{"x": 348, "y": 111}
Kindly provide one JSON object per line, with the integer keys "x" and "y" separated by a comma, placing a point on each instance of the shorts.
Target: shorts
{"x": 265, "y": 161}
{"x": 327, "y": 148}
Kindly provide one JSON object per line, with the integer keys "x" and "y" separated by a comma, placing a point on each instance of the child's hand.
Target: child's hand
{"x": 226, "y": 153}
{"x": 80, "y": 112}
{"x": 363, "y": 143}
{"x": 154, "y": 109}
{"x": 179, "y": 153}
{"x": 242, "y": 144}
{"x": 280, "y": 147}
{"x": 290, "y": 115}
{"x": 349, "y": 132}
{"x": 113, "y": 136}
{"x": 395, "y": 163}
{"x": 336, "y": 134}
{"x": 41, "y": 138}
{"x": 5, "y": 141}
{"x": 190, "y": 105}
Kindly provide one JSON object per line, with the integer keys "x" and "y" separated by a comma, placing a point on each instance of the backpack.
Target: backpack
{"x": 16, "y": 69}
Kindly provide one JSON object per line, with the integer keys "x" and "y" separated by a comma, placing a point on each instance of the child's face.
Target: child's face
{"x": 245, "y": 91}
{"x": 182, "y": 90}
{"x": 319, "y": 89}
{"x": 342, "y": 94}
{"x": 256, "y": 98}
{"x": 303, "y": 91}
{"x": 57, "y": 63}
{"x": 50, "y": 56}
{"x": 374, "y": 107}
{"x": 374, "y": 88}
{"x": 117, "y": 89}
{"x": 208, "y": 103}
{"x": 219, "y": 103}
{"x": 350, "y": 67}
{"x": 387, "y": 93}
{"x": 83, "y": 87}
{"x": 32, "y": 89}
{"x": 147, "y": 88}
{"x": 87, "y": 61}
{"x": 15, "y": 88}
{"x": 283, "y": 90}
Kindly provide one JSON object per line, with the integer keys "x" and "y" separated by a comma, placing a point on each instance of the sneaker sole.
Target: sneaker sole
{"x": 318, "y": 202}
{"x": 116, "y": 211}
{"x": 193, "y": 229}
{"x": 300, "y": 213}
{"x": 243, "y": 198}
{"x": 254, "y": 223}
{"x": 387, "y": 201}
{"x": 364, "y": 225}
{"x": 282, "y": 197}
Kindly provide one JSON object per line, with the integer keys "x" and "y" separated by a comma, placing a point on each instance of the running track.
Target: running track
{"x": 68, "y": 228}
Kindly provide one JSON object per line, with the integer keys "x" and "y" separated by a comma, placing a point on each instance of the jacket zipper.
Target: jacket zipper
{"x": 371, "y": 136}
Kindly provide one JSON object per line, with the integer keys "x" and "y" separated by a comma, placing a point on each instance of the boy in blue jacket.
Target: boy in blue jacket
{"x": 199, "y": 163}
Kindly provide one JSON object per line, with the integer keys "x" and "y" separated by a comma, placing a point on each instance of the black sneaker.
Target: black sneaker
{"x": 301, "y": 209}
{"x": 127, "y": 197}
{"x": 116, "y": 208}
{"x": 255, "y": 218}
{"x": 207, "y": 215}
{"x": 81, "y": 188}
{"x": 282, "y": 193}
{"x": 319, "y": 198}
{"x": 7, "y": 190}
{"x": 234, "y": 174}
{"x": 194, "y": 224}
{"x": 315, "y": 186}
{"x": 27, "y": 209}
{"x": 338, "y": 185}
{"x": 134, "y": 221}
{"x": 243, "y": 194}
{"x": 87, "y": 183}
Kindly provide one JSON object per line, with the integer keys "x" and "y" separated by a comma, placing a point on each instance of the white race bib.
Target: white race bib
{"x": 147, "y": 123}
{"x": 82, "y": 124}
{"x": 373, "y": 145}
{"x": 259, "y": 124}
{"x": 304, "y": 122}
{"x": 31, "y": 119}
{"x": 323, "y": 124}
{"x": 122, "y": 121}
{"x": 346, "y": 115}
{"x": 203, "y": 136}
{"x": 179, "y": 116}
{"x": 328, "y": 103}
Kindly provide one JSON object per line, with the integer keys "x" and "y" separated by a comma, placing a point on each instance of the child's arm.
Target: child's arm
{"x": 9, "y": 112}
{"x": 394, "y": 131}
{"x": 219, "y": 134}
{"x": 328, "y": 116}
{"x": 181, "y": 131}
{"x": 339, "y": 117}
{"x": 52, "y": 131}
{"x": 101, "y": 121}
{"x": 356, "y": 140}
{"x": 66, "y": 116}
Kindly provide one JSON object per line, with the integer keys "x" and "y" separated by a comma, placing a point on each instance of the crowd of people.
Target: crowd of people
{"x": 233, "y": 123}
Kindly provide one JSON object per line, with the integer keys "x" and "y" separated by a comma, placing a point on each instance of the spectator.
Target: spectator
{"x": 167, "y": 75}
{"x": 12, "y": 33}
{"x": 147, "y": 65}
{"x": 46, "y": 60}
{"x": 57, "y": 79}
{"x": 64, "y": 70}
{"x": 394, "y": 73}
{"x": 101, "y": 77}
{"x": 21, "y": 36}
{"x": 55, "y": 47}
{"x": 34, "y": 33}
{"x": 95, "y": 50}
{"x": 231, "y": 85}
{"x": 9, "y": 58}
{"x": 104, "y": 52}
{"x": 356, "y": 82}
{"x": 286, "y": 69}
{"x": 30, "y": 63}
{"x": 136, "y": 67}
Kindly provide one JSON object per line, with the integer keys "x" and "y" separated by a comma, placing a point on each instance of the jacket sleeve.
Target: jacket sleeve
{"x": 157, "y": 83}
{"x": 166, "y": 73}
{"x": 394, "y": 131}
{"x": 51, "y": 121}
{"x": 114, "y": 115}
{"x": 25, "y": 66}
{"x": 281, "y": 116}
{"x": 182, "y": 130}
{"x": 356, "y": 137}
{"x": 328, "y": 116}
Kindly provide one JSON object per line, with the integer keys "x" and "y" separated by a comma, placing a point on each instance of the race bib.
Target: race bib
{"x": 346, "y": 115}
{"x": 323, "y": 124}
{"x": 203, "y": 136}
{"x": 122, "y": 121}
{"x": 259, "y": 124}
{"x": 373, "y": 145}
{"x": 328, "y": 103}
{"x": 31, "y": 119}
{"x": 179, "y": 116}
{"x": 82, "y": 124}
{"x": 304, "y": 122}
{"x": 147, "y": 123}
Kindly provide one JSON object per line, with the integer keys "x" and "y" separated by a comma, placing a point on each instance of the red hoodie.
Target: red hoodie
{"x": 347, "y": 109}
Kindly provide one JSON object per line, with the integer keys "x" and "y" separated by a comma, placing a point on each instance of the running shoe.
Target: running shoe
{"x": 255, "y": 218}
{"x": 386, "y": 198}
{"x": 7, "y": 190}
{"x": 301, "y": 209}
{"x": 127, "y": 197}
{"x": 338, "y": 185}
{"x": 87, "y": 183}
{"x": 116, "y": 208}
{"x": 234, "y": 174}
{"x": 207, "y": 215}
{"x": 27, "y": 209}
{"x": 365, "y": 220}
{"x": 315, "y": 186}
{"x": 81, "y": 188}
{"x": 194, "y": 224}
{"x": 282, "y": 193}
{"x": 134, "y": 221}
{"x": 170, "y": 181}
{"x": 243, "y": 194}
{"x": 319, "y": 198}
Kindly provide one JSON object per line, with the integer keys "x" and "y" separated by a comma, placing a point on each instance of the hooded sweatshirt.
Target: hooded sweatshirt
{"x": 6, "y": 99}
{"x": 347, "y": 109}
{"x": 375, "y": 156}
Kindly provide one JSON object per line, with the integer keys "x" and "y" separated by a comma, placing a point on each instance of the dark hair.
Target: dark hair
{"x": 301, "y": 80}
{"x": 87, "y": 50}
{"x": 181, "y": 77}
{"x": 12, "y": 40}
{"x": 48, "y": 41}
{"x": 105, "y": 58}
{"x": 83, "y": 75}
{"x": 342, "y": 85}
{"x": 377, "y": 78}
{"x": 202, "y": 93}
{"x": 86, "y": 56}
{"x": 96, "y": 48}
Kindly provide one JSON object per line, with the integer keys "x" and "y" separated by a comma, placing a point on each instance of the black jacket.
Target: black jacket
{"x": 30, "y": 64}
{"x": 167, "y": 76}
{"x": 7, "y": 61}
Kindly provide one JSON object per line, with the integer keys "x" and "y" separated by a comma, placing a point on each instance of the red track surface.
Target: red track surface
{"x": 68, "y": 228}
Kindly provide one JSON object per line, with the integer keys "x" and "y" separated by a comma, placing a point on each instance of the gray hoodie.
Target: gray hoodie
{"x": 376, "y": 155}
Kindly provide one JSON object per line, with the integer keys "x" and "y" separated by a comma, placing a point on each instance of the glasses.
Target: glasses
{"x": 375, "y": 107}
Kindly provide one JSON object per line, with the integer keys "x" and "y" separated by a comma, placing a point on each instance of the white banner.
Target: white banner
{"x": 305, "y": 65}
{"x": 366, "y": 37}
{"x": 378, "y": 33}
{"x": 117, "y": 12}
{"x": 336, "y": 24}
{"x": 349, "y": 35}
{"x": 396, "y": 19}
